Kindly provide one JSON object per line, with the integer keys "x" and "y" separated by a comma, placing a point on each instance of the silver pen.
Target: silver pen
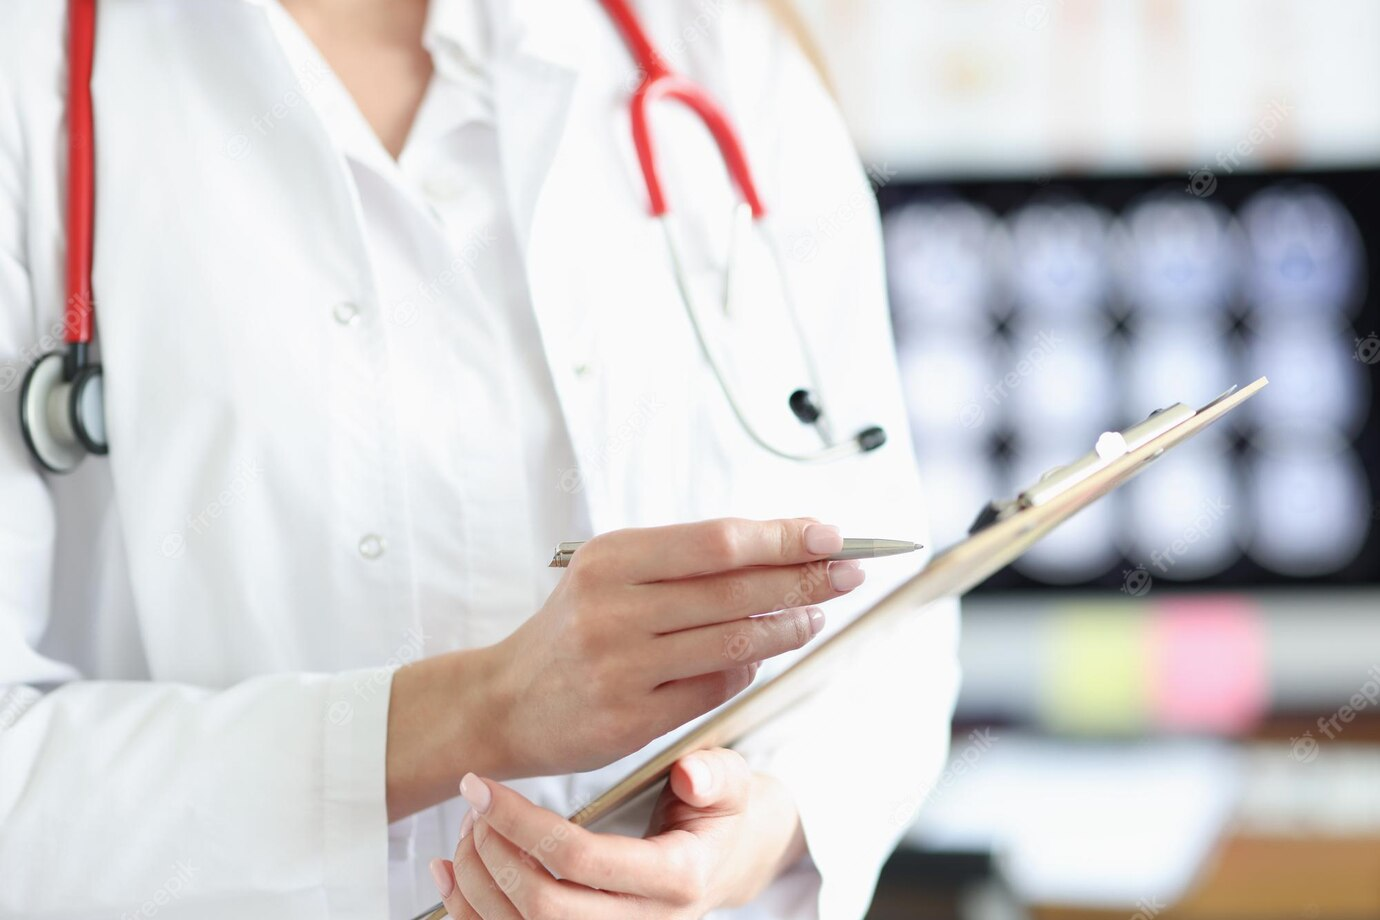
{"x": 852, "y": 549}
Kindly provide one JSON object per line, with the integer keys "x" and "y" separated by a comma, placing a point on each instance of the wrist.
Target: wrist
{"x": 442, "y": 723}
{"x": 483, "y": 736}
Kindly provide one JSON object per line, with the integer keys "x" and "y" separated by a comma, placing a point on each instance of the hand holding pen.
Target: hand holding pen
{"x": 650, "y": 628}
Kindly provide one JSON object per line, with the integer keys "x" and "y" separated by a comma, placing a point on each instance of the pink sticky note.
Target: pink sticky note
{"x": 1208, "y": 669}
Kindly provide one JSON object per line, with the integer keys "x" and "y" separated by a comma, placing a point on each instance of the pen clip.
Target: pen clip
{"x": 564, "y": 551}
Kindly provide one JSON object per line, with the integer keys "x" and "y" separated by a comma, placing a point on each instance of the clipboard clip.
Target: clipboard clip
{"x": 1110, "y": 446}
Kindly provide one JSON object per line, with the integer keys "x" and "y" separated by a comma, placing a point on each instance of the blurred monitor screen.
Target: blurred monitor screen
{"x": 1032, "y": 315}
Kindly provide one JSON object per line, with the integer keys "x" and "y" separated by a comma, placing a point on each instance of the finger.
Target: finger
{"x": 605, "y": 861}
{"x": 534, "y": 891}
{"x": 732, "y": 645}
{"x": 728, "y": 596}
{"x": 663, "y": 553}
{"x": 443, "y": 871}
{"x": 682, "y": 700}
{"x": 717, "y": 779}
{"x": 480, "y": 890}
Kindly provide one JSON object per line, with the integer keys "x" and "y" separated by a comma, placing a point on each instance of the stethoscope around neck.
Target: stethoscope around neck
{"x": 62, "y": 402}
{"x": 658, "y": 82}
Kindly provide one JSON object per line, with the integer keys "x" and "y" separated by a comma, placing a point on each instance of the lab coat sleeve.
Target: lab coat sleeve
{"x": 861, "y": 755}
{"x": 126, "y": 799}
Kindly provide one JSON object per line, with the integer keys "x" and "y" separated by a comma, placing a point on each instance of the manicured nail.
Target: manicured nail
{"x": 699, "y": 776}
{"x": 476, "y": 793}
{"x": 467, "y": 824}
{"x": 822, "y": 539}
{"x": 816, "y": 620}
{"x": 845, "y": 576}
{"x": 444, "y": 882}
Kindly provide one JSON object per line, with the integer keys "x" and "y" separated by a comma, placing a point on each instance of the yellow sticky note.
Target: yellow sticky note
{"x": 1096, "y": 668}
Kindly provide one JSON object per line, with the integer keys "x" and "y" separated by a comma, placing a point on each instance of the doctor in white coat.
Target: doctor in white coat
{"x": 383, "y": 317}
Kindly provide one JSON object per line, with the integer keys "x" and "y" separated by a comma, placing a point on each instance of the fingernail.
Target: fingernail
{"x": 444, "y": 883}
{"x": 816, "y": 620}
{"x": 845, "y": 576}
{"x": 822, "y": 539}
{"x": 467, "y": 824}
{"x": 476, "y": 793}
{"x": 698, "y": 774}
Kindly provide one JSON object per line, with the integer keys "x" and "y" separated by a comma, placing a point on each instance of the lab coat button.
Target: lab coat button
{"x": 582, "y": 369}
{"x": 346, "y": 313}
{"x": 371, "y": 546}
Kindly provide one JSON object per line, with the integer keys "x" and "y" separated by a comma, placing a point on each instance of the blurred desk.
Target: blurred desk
{"x": 1258, "y": 878}
{"x": 1254, "y": 829}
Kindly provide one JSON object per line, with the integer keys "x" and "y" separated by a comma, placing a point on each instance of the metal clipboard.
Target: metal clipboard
{"x": 1003, "y": 531}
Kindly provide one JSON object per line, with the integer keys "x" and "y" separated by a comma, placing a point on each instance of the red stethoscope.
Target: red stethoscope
{"x": 62, "y": 400}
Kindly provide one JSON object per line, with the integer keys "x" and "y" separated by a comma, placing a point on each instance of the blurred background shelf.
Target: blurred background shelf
{"x": 1172, "y": 709}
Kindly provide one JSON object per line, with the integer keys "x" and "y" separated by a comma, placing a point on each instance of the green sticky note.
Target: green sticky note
{"x": 1096, "y": 668}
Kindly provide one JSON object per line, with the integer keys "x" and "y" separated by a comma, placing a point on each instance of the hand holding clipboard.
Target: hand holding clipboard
{"x": 1003, "y": 531}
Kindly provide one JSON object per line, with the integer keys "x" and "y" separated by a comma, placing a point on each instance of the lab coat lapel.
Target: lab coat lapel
{"x": 534, "y": 80}
{"x": 535, "y": 71}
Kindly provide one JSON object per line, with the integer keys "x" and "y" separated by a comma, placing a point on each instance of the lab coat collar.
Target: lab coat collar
{"x": 534, "y": 77}
{"x": 457, "y": 36}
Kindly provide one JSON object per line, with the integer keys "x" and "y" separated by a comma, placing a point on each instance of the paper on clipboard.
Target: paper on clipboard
{"x": 1004, "y": 532}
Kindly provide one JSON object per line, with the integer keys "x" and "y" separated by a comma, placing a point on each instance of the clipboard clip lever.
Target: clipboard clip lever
{"x": 1110, "y": 446}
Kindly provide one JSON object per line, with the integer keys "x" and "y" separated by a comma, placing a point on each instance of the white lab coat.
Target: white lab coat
{"x": 196, "y": 727}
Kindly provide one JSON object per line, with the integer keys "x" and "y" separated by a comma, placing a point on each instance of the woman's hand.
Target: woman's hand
{"x": 651, "y": 628}
{"x": 646, "y": 630}
{"x": 719, "y": 835}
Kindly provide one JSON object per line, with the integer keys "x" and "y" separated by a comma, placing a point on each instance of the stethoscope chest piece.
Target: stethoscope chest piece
{"x": 63, "y": 420}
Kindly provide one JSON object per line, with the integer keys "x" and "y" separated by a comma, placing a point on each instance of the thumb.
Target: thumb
{"x": 717, "y": 778}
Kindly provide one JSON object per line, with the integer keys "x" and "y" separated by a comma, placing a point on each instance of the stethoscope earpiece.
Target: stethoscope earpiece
{"x": 804, "y": 407}
{"x": 871, "y": 438}
{"x": 809, "y": 412}
{"x": 63, "y": 420}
